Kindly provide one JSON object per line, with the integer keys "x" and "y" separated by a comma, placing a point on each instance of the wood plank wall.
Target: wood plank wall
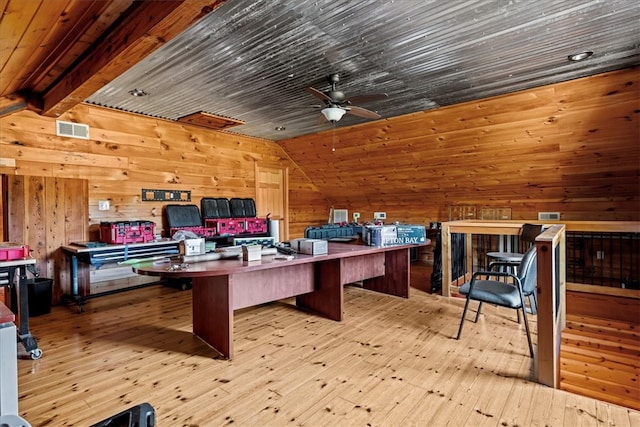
{"x": 46, "y": 213}
{"x": 572, "y": 147}
{"x": 127, "y": 153}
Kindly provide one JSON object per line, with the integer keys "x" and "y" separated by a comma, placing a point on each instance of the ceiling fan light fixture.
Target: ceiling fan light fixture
{"x": 333, "y": 114}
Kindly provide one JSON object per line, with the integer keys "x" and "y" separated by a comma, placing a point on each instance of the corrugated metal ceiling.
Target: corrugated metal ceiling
{"x": 252, "y": 60}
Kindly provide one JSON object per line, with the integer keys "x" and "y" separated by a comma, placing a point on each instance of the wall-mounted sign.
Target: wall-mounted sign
{"x": 149, "y": 195}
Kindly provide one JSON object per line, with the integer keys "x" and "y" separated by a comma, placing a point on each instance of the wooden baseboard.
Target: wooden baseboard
{"x": 603, "y": 306}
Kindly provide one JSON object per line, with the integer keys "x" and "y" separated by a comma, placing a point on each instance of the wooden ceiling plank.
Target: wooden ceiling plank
{"x": 53, "y": 20}
{"x": 143, "y": 28}
{"x": 72, "y": 33}
{"x": 15, "y": 25}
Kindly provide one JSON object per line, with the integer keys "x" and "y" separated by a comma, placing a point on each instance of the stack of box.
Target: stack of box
{"x": 389, "y": 235}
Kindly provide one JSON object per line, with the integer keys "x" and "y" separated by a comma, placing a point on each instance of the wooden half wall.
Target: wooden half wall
{"x": 572, "y": 147}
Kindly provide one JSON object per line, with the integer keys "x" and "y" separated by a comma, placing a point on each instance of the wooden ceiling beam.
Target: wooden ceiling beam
{"x": 12, "y": 103}
{"x": 143, "y": 28}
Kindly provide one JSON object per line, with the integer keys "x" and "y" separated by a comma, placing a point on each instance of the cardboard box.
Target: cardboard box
{"x": 190, "y": 247}
{"x": 380, "y": 235}
{"x": 295, "y": 243}
{"x": 251, "y": 252}
{"x": 313, "y": 247}
{"x": 411, "y": 234}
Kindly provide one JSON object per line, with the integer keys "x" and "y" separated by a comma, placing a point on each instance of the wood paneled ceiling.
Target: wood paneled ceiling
{"x": 250, "y": 61}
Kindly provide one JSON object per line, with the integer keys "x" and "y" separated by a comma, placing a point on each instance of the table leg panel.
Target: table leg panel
{"x": 355, "y": 269}
{"x": 213, "y": 312}
{"x": 396, "y": 279}
{"x": 258, "y": 287}
{"x": 327, "y": 298}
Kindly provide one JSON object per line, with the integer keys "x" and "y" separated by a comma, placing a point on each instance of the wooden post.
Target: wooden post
{"x": 445, "y": 238}
{"x": 551, "y": 289}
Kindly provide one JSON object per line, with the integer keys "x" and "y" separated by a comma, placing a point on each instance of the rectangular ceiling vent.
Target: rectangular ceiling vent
{"x": 72, "y": 130}
{"x": 548, "y": 216}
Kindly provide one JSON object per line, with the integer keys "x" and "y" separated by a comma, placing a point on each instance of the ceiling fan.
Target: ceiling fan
{"x": 336, "y": 103}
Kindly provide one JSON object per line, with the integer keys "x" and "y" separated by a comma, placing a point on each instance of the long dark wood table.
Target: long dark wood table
{"x": 222, "y": 286}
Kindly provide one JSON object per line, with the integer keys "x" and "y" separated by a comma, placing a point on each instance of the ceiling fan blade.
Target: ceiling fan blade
{"x": 362, "y": 99}
{"x": 317, "y": 93}
{"x": 296, "y": 107}
{"x": 362, "y": 112}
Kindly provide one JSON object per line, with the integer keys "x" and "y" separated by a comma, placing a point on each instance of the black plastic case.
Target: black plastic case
{"x": 142, "y": 415}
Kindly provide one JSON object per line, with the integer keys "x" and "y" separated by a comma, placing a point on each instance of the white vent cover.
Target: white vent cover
{"x": 340, "y": 216}
{"x": 550, "y": 216}
{"x": 72, "y": 130}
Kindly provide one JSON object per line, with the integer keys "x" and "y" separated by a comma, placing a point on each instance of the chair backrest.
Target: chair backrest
{"x": 529, "y": 232}
{"x": 527, "y": 236}
{"x": 527, "y": 271}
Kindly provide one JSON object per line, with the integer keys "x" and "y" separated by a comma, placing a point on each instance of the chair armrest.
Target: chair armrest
{"x": 497, "y": 275}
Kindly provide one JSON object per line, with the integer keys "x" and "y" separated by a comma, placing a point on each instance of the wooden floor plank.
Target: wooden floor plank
{"x": 391, "y": 362}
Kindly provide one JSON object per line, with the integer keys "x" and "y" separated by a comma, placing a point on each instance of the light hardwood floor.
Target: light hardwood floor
{"x": 391, "y": 362}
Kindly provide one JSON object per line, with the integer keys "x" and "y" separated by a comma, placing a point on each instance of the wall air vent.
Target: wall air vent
{"x": 548, "y": 216}
{"x": 72, "y": 130}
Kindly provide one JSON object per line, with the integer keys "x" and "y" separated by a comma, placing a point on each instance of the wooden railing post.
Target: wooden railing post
{"x": 551, "y": 291}
{"x": 445, "y": 238}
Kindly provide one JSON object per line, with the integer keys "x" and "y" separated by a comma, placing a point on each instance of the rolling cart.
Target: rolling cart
{"x": 20, "y": 299}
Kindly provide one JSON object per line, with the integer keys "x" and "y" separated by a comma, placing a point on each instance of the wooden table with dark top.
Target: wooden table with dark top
{"x": 222, "y": 286}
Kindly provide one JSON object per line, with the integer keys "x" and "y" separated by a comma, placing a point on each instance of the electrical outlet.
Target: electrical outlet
{"x": 599, "y": 254}
{"x": 103, "y": 205}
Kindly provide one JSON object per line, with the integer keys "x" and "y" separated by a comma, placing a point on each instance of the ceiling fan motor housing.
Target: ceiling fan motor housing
{"x": 337, "y": 96}
{"x": 337, "y": 103}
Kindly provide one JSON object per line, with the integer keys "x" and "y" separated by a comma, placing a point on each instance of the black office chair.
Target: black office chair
{"x": 509, "y": 260}
{"x": 492, "y": 287}
{"x": 526, "y": 238}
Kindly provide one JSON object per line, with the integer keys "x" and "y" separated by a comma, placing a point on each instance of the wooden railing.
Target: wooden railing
{"x": 552, "y": 285}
